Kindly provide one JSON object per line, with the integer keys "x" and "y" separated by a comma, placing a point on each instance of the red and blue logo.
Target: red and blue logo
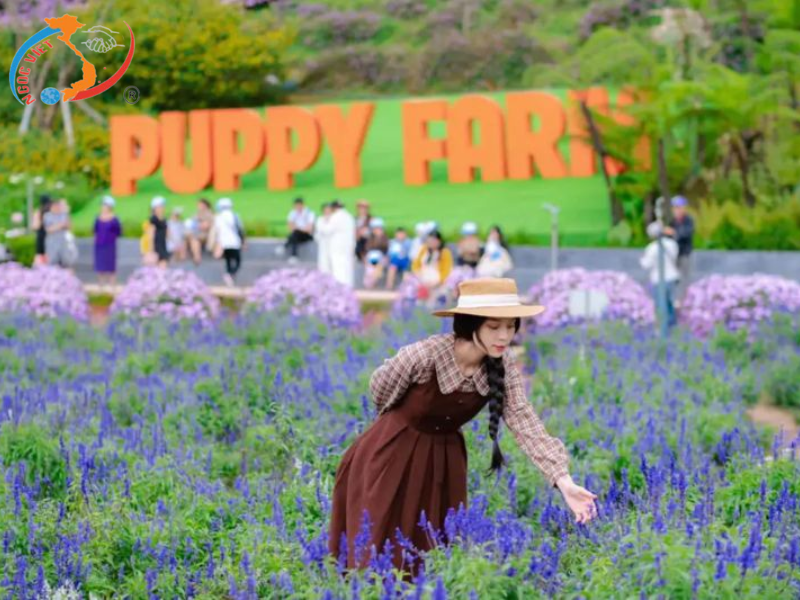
{"x": 20, "y": 74}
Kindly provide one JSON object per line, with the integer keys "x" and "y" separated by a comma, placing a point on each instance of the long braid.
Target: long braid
{"x": 465, "y": 327}
{"x": 496, "y": 374}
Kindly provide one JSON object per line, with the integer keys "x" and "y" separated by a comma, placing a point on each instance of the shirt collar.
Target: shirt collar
{"x": 448, "y": 373}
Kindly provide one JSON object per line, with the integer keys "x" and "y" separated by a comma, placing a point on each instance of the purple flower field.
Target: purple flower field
{"x": 159, "y": 459}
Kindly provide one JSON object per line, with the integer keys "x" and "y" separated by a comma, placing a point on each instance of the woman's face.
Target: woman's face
{"x": 432, "y": 242}
{"x": 496, "y": 335}
{"x": 494, "y": 236}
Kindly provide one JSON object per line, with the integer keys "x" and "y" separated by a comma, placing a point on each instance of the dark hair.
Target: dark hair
{"x": 205, "y": 202}
{"x": 435, "y": 234}
{"x": 399, "y": 229}
{"x": 464, "y": 326}
{"x": 500, "y": 235}
{"x": 298, "y": 200}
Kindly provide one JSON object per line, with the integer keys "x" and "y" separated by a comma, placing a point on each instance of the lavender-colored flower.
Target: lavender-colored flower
{"x": 737, "y": 301}
{"x": 172, "y": 294}
{"x": 44, "y": 291}
{"x": 306, "y": 292}
{"x": 628, "y": 301}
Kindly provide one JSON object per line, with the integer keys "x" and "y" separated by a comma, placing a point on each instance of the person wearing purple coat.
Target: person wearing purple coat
{"x": 107, "y": 229}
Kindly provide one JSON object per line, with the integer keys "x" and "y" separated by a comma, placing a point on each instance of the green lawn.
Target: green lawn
{"x": 514, "y": 205}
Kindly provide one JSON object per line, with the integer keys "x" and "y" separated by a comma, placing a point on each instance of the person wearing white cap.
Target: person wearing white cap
{"x": 158, "y": 231}
{"x": 649, "y": 261}
{"x": 229, "y": 238}
{"x": 107, "y": 229}
{"x": 469, "y": 249}
{"x": 425, "y": 395}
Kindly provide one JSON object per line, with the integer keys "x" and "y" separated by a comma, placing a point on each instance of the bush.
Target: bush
{"x": 43, "y": 291}
{"x": 783, "y": 383}
{"x": 737, "y": 301}
{"x": 627, "y": 300}
{"x": 172, "y": 294}
{"x": 731, "y": 226}
{"x": 306, "y": 292}
{"x": 22, "y": 248}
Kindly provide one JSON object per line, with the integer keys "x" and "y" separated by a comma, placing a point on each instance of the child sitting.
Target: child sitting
{"x": 399, "y": 257}
{"x": 374, "y": 263}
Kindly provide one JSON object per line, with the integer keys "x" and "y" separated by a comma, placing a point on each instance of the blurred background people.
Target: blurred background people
{"x": 59, "y": 242}
{"x": 363, "y": 219}
{"x": 433, "y": 264}
{"x": 158, "y": 231}
{"x": 399, "y": 257}
{"x": 300, "y": 222}
{"x": 468, "y": 249}
{"x": 496, "y": 258}
{"x": 229, "y": 238}
{"x": 649, "y": 262}
{"x": 107, "y": 229}
{"x": 37, "y": 224}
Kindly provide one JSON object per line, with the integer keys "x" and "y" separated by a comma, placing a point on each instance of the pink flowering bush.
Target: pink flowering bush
{"x": 43, "y": 291}
{"x": 172, "y": 294}
{"x": 628, "y": 301}
{"x": 306, "y": 292}
{"x": 737, "y": 301}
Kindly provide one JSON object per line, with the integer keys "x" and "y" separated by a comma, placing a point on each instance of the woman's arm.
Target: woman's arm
{"x": 390, "y": 381}
{"x": 545, "y": 451}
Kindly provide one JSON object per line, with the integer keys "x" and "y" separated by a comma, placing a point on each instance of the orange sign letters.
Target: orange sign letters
{"x": 483, "y": 139}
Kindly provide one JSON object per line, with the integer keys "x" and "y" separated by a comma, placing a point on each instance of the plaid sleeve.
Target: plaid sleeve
{"x": 545, "y": 451}
{"x": 390, "y": 381}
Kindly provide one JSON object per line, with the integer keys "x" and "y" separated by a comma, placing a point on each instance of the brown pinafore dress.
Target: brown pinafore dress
{"x": 412, "y": 458}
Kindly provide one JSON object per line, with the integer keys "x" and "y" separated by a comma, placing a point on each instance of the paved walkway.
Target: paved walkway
{"x": 531, "y": 263}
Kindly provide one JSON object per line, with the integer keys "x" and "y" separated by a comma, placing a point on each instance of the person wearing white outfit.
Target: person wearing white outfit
{"x": 323, "y": 230}
{"x": 649, "y": 261}
{"x": 229, "y": 238}
{"x": 342, "y": 244}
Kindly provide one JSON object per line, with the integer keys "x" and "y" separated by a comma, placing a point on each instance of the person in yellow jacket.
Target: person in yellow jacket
{"x": 149, "y": 257}
{"x": 433, "y": 263}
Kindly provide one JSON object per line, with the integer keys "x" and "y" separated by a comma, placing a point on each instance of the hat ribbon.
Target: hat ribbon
{"x": 487, "y": 300}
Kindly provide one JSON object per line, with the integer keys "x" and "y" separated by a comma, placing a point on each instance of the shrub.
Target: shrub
{"x": 43, "y": 291}
{"x": 737, "y": 301}
{"x": 628, "y": 301}
{"x": 23, "y": 248}
{"x": 306, "y": 292}
{"x": 172, "y": 294}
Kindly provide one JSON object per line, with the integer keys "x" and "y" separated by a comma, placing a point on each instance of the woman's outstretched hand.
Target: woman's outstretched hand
{"x": 579, "y": 499}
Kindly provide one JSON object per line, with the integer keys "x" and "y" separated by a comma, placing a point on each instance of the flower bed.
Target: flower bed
{"x": 171, "y": 294}
{"x": 628, "y": 301}
{"x": 43, "y": 291}
{"x": 737, "y": 301}
{"x": 306, "y": 292}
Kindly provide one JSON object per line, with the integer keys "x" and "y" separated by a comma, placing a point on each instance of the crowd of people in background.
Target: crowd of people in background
{"x": 173, "y": 240}
{"x": 342, "y": 241}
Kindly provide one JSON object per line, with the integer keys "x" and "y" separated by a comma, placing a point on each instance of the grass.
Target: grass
{"x": 514, "y": 205}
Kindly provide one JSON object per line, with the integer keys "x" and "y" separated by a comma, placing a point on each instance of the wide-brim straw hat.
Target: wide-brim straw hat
{"x": 492, "y": 297}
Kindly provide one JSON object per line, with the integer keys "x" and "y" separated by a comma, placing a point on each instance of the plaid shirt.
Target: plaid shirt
{"x": 415, "y": 363}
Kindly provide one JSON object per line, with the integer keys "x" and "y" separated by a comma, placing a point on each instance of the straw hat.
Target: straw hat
{"x": 492, "y": 297}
